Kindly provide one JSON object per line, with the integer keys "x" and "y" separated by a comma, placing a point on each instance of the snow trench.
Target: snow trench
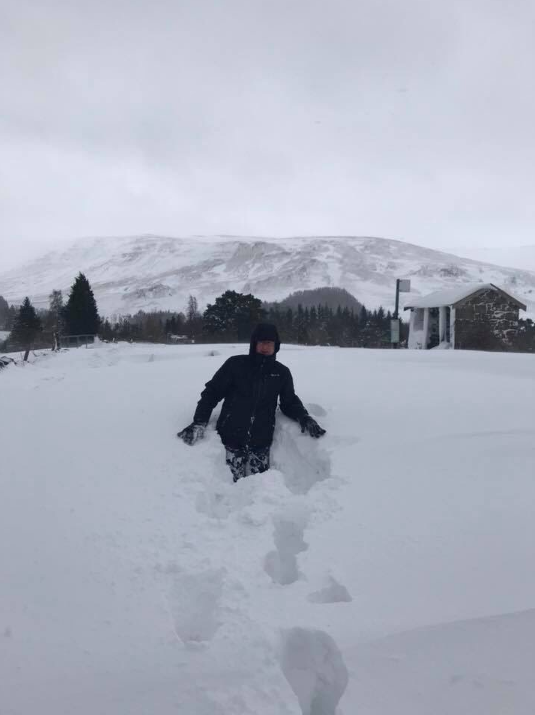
{"x": 271, "y": 511}
{"x": 281, "y": 564}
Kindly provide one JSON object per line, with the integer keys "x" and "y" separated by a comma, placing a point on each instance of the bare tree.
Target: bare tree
{"x": 56, "y": 312}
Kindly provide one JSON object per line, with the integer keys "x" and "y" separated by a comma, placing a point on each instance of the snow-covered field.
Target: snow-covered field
{"x": 386, "y": 569}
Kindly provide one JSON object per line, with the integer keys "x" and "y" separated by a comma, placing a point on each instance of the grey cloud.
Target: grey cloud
{"x": 412, "y": 120}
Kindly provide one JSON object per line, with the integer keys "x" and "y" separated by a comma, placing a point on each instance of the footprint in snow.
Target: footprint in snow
{"x": 193, "y": 599}
{"x": 281, "y": 564}
{"x": 314, "y": 667}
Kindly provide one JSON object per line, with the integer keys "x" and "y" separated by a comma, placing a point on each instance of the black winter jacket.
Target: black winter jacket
{"x": 250, "y": 386}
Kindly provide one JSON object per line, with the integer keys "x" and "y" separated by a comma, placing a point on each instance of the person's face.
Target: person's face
{"x": 265, "y": 347}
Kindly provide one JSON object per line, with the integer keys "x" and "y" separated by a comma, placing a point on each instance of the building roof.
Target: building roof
{"x": 454, "y": 296}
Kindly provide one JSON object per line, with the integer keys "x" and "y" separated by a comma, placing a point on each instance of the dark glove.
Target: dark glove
{"x": 193, "y": 433}
{"x": 311, "y": 427}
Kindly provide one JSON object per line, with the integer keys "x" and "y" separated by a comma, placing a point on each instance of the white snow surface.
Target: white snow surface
{"x": 159, "y": 273}
{"x": 385, "y": 569}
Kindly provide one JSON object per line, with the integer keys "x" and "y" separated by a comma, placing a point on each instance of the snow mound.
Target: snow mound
{"x": 332, "y": 592}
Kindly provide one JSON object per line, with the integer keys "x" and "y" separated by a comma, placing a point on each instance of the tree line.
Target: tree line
{"x": 230, "y": 318}
{"x": 30, "y": 328}
{"x": 233, "y": 315}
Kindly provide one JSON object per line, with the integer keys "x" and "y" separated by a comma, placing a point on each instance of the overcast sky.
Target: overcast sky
{"x": 408, "y": 119}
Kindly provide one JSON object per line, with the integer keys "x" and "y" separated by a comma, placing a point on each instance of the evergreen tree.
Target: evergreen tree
{"x": 27, "y": 326}
{"x": 4, "y": 313}
{"x": 288, "y": 325}
{"x": 106, "y": 330}
{"x": 300, "y": 326}
{"x": 81, "y": 314}
{"x": 233, "y": 315}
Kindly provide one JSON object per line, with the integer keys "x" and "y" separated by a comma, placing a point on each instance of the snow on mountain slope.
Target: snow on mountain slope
{"x": 136, "y": 578}
{"x": 154, "y": 272}
{"x": 522, "y": 257}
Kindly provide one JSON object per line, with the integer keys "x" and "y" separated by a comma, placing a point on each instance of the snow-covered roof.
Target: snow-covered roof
{"x": 452, "y": 296}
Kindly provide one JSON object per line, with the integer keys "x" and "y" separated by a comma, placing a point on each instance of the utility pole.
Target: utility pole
{"x": 396, "y": 311}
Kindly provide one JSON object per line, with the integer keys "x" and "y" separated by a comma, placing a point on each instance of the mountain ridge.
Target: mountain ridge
{"x": 151, "y": 272}
{"x": 522, "y": 257}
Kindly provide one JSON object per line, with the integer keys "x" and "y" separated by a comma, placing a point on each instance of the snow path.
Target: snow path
{"x": 140, "y": 579}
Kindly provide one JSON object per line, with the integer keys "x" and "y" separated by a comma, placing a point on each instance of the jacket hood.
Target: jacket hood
{"x": 264, "y": 331}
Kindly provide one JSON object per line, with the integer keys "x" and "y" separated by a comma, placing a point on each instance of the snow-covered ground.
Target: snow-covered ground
{"x": 385, "y": 569}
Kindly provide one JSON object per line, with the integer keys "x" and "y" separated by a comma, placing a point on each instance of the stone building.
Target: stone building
{"x": 477, "y": 316}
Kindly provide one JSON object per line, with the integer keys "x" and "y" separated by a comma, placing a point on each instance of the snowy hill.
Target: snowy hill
{"x": 154, "y": 272}
{"x": 522, "y": 257}
{"x": 350, "y": 578}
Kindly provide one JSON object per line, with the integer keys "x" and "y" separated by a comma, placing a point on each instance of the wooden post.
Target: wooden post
{"x": 396, "y": 311}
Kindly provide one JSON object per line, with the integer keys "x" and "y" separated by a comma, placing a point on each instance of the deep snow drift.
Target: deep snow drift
{"x": 384, "y": 569}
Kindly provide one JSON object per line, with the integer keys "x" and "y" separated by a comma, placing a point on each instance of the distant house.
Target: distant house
{"x": 179, "y": 339}
{"x": 477, "y": 316}
{"x": 73, "y": 341}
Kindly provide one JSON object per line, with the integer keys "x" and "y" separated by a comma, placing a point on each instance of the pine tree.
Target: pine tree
{"x": 233, "y": 315}
{"x": 300, "y": 325}
{"x": 106, "y": 330}
{"x": 27, "y": 325}
{"x": 81, "y": 314}
{"x": 289, "y": 334}
{"x": 4, "y": 313}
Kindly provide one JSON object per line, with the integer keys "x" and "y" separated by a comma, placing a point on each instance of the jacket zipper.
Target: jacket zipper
{"x": 255, "y": 405}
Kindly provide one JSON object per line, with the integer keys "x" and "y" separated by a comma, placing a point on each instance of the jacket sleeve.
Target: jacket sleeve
{"x": 290, "y": 404}
{"x": 215, "y": 390}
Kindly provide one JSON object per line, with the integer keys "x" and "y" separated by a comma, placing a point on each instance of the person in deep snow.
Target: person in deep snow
{"x": 250, "y": 386}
